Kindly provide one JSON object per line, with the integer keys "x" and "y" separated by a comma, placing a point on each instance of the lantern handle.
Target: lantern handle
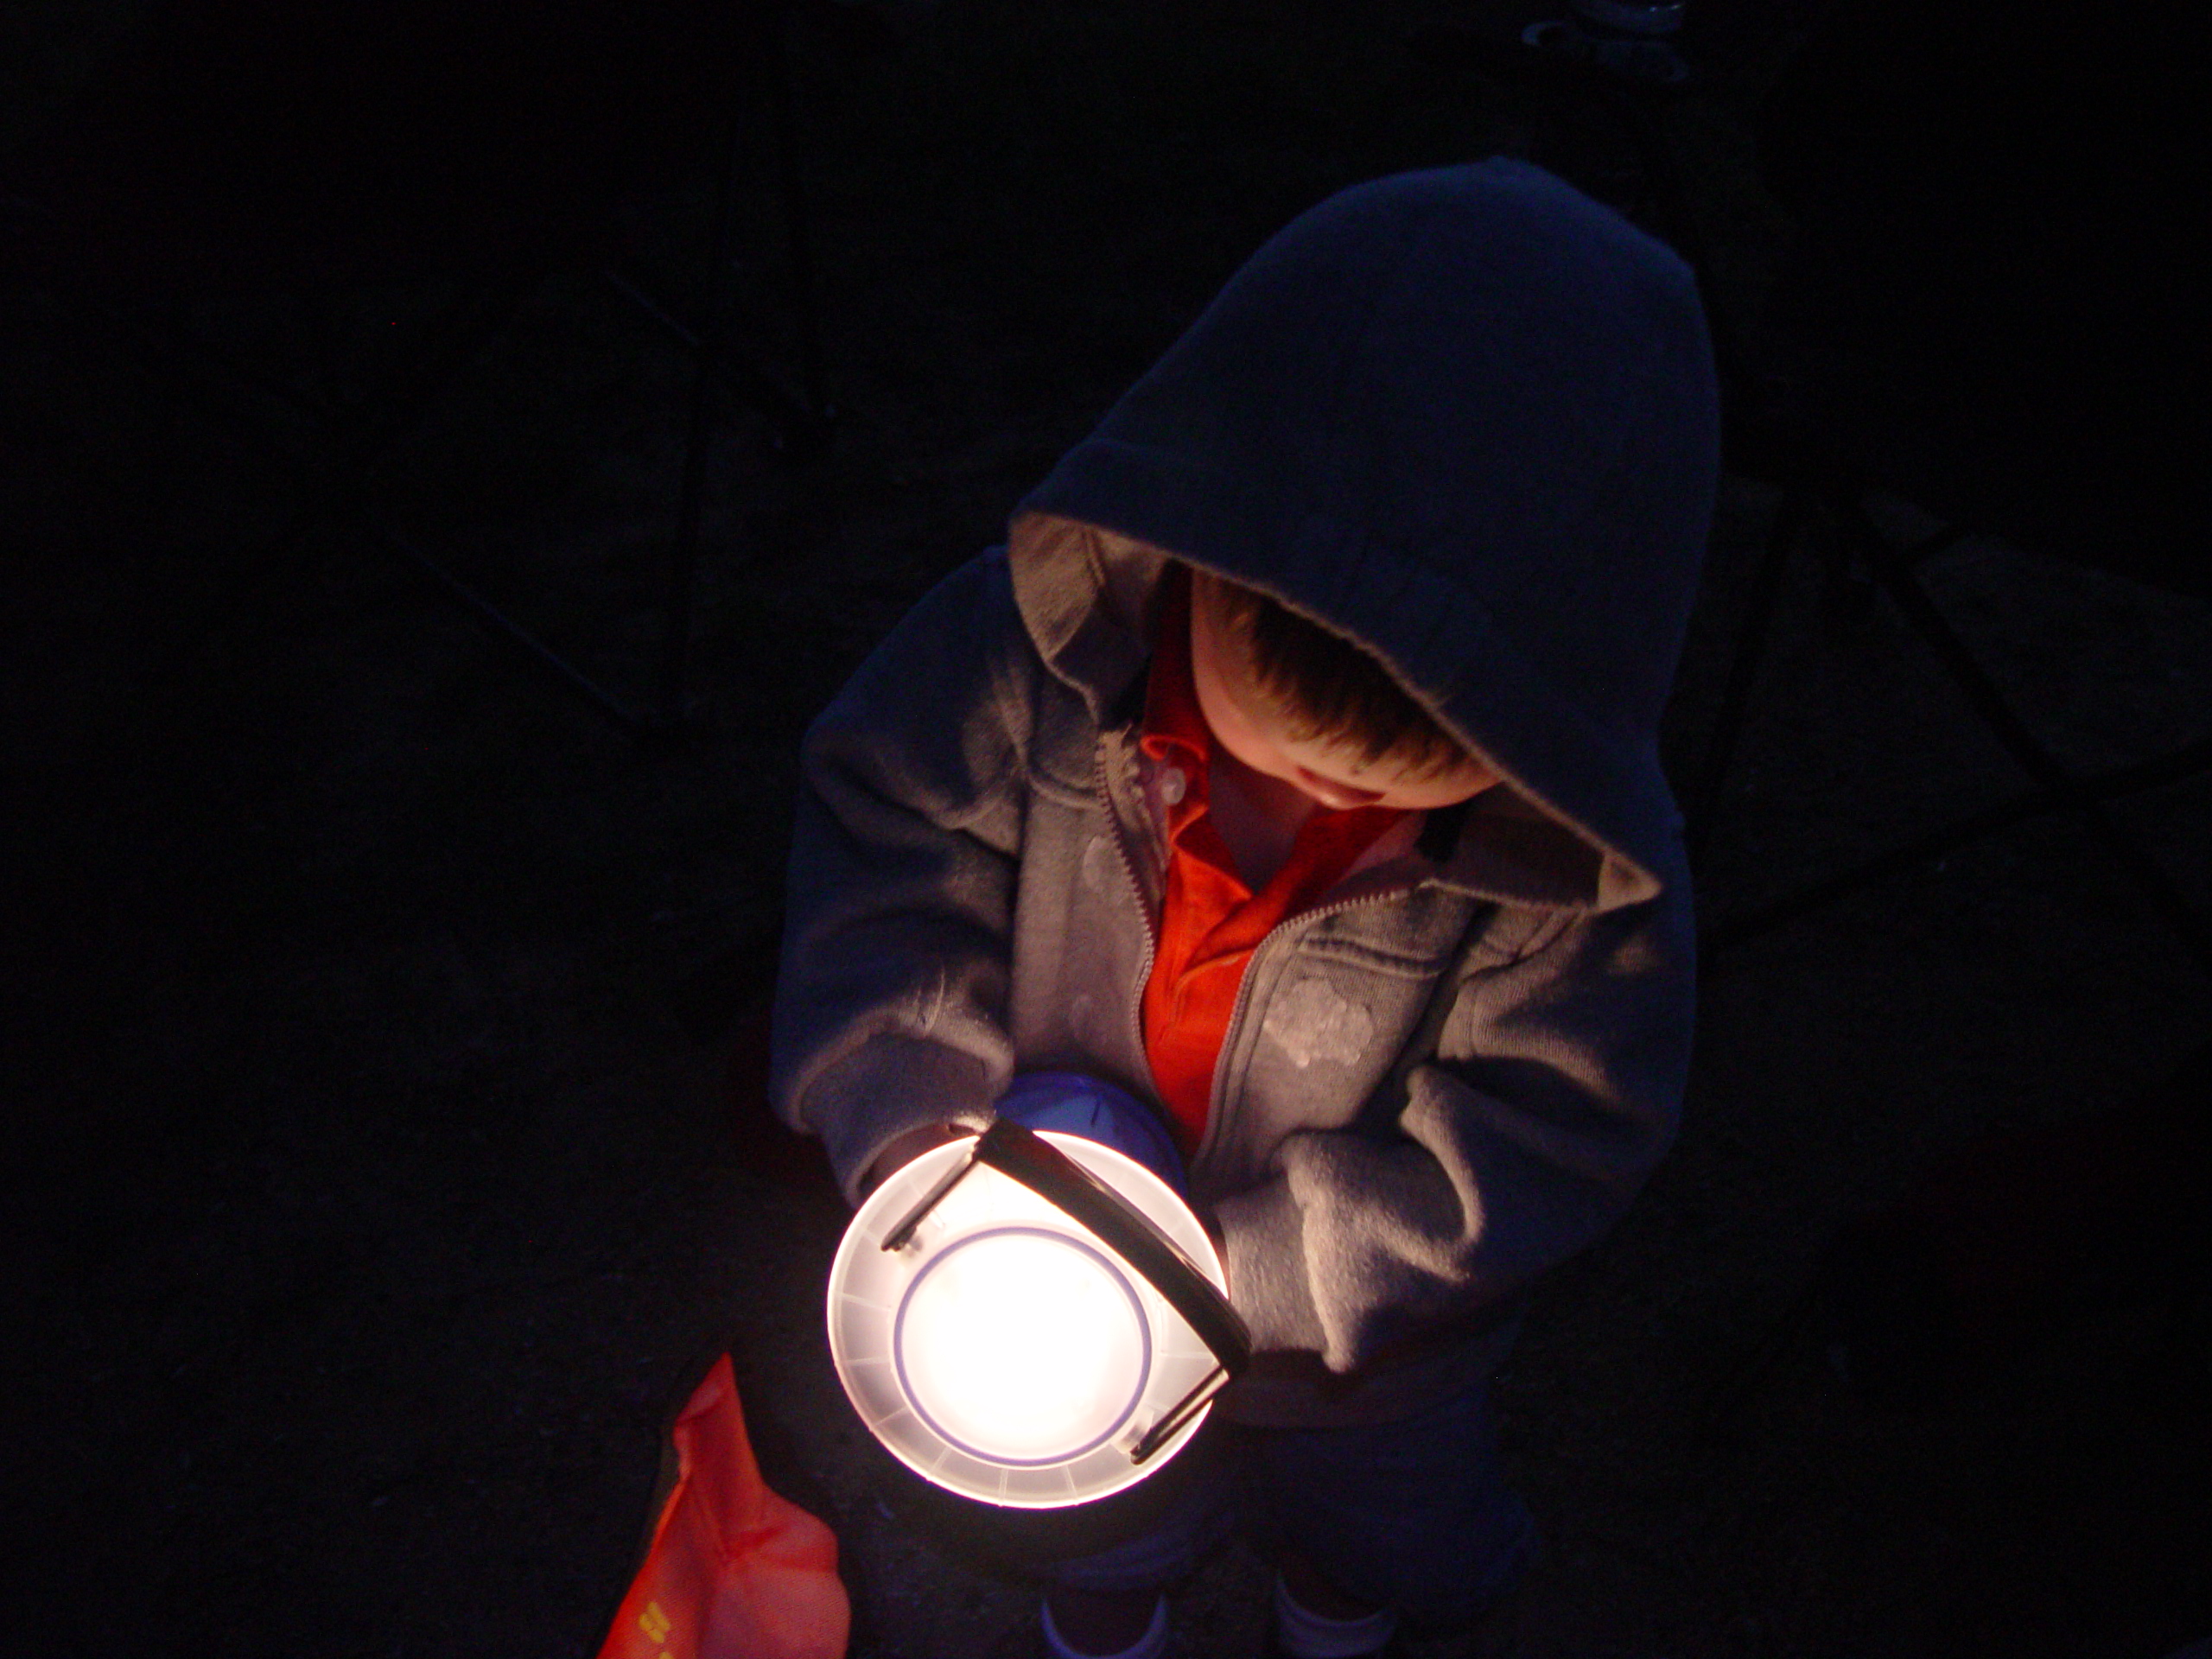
{"x": 1023, "y": 1155}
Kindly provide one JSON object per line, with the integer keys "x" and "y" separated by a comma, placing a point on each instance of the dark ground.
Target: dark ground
{"x": 379, "y": 1185}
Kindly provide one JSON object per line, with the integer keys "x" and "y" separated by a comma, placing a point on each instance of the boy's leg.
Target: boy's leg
{"x": 1104, "y": 1566}
{"x": 1091, "y": 1625}
{"x": 1412, "y": 1515}
{"x": 1107, "y": 1599}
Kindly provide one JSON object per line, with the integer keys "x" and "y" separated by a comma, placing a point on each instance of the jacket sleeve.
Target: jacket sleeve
{"x": 891, "y": 999}
{"x": 1555, "y": 1086}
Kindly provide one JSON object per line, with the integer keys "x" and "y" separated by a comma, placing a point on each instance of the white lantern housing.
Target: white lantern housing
{"x": 1031, "y": 1320}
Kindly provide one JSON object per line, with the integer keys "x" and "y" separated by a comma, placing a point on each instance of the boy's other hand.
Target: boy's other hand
{"x": 907, "y": 1148}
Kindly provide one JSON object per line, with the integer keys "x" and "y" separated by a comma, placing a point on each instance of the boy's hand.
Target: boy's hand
{"x": 907, "y": 1148}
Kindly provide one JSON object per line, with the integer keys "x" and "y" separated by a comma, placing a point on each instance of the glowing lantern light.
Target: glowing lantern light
{"x": 1032, "y": 1320}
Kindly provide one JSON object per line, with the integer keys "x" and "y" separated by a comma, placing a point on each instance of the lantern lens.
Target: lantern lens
{"x": 1022, "y": 1346}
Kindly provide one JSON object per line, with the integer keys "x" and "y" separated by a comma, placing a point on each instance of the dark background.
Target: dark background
{"x": 380, "y": 1174}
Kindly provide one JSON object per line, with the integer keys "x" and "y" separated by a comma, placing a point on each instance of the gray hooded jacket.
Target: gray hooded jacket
{"x": 1467, "y": 418}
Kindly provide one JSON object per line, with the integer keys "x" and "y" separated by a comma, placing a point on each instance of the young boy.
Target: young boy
{"x": 1294, "y": 768}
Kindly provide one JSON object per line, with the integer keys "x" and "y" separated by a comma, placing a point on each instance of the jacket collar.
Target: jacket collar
{"x": 1089, "y": 616}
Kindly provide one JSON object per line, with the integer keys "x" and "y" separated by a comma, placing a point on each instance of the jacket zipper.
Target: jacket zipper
{"x": 1215, "y": 1104}
{"x": 1144, "y": 911}
{"x": 1215, "y": 1100}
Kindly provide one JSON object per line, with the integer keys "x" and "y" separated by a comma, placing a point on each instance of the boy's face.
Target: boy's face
{"x": 1248, "y": 723}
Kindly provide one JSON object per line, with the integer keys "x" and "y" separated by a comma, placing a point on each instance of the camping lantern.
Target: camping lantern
{"x": 1032, "y": 1319}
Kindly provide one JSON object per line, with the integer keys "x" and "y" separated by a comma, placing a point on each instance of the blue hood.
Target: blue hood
{"x": 1466, "y": 417}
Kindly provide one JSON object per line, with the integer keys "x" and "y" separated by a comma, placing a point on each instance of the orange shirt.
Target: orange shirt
{"x": 1211, "y": 922}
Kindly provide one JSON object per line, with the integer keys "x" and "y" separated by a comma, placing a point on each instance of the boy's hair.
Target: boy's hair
{"x": 1330, "y": 689}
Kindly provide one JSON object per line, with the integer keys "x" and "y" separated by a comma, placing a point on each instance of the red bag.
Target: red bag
{"x": 734, "y": 1571}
